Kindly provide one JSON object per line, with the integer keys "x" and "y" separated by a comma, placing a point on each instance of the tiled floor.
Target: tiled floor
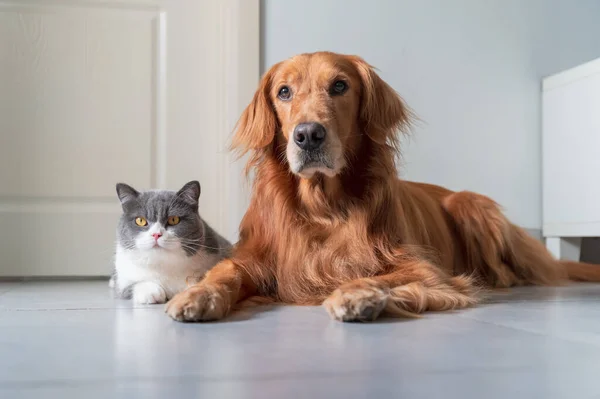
{"x": 72, "y": 340}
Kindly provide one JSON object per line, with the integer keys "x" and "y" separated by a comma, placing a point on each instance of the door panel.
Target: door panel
{"x": 97, "y": 92}
{"x": 77, "y": 100}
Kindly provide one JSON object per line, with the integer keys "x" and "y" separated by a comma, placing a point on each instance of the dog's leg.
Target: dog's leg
{"x": 413, "y": 288}
{"x": 213, "y": 297}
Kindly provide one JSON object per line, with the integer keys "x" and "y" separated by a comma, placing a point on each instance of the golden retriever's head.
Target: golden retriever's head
{"x": 320, "y": 107}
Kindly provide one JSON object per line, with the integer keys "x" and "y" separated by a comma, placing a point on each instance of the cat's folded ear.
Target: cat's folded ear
{"x": 126, "y": 192}
{"x": 190, "y": 192}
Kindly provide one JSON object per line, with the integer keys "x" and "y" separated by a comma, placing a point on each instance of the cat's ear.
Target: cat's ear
{"x": 190, "y": 193}
{"x": 126, "y": 193}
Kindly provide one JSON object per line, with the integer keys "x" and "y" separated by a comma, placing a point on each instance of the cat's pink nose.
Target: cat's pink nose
{"x": 156, "y": 236}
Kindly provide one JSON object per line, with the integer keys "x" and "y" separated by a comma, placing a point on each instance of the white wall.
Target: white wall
{"x": 469, "y": 68}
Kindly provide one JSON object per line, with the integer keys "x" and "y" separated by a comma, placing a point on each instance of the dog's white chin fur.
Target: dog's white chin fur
{"x": 309, "y": 172}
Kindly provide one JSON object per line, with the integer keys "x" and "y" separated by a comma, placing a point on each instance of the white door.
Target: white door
{"x": 93, "y": 93}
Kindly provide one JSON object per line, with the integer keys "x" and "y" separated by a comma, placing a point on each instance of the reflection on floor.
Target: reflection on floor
{"x": 72, "y": 340}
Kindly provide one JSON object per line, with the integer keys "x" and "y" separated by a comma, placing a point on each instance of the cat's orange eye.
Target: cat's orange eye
{"x": 173, "y": 220}
{"x": 141, "y": 221}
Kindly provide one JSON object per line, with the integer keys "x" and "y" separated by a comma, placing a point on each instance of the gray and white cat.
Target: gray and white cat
{"x": 161, "y": 242}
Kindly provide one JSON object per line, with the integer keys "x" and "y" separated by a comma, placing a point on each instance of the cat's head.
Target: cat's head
{"x": 160, "y": 220}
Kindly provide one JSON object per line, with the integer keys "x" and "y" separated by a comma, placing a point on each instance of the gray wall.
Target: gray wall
{"x": 470, "y": 69}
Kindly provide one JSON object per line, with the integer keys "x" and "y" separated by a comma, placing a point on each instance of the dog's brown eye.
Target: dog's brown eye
{"x": 339, "y": 87}
{"x": 284, "y": 93}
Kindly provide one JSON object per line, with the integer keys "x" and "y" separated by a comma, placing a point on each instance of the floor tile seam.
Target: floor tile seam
{"x": 261, "y": 377}
{"x": 80, "y": 309}
{"x": 527, "y": 331}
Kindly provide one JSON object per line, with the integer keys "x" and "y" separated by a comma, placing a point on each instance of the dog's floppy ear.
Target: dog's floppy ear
{"x": 257, "y": 126}
{"x": 382, "y": 111}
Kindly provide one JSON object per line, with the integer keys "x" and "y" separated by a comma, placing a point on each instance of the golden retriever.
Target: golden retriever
{"x": 329, "y": 221}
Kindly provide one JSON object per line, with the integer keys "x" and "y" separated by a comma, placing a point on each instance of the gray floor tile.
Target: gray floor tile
{"x": 285, "y": 341}
{"x": 498, "y": 384}
{"x": 7, "y": 286}
{"x": 67, "y": 339}
{"x": 61, "y": 295}
{"x": 569, "y": 320}
{"x": 570, "y": 293}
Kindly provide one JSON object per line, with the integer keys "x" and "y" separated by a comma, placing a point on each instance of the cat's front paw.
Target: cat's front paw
{"x": 202, "y": 302}
{"x": 148, "y": 293}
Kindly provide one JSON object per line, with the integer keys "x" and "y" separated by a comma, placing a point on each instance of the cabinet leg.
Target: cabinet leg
{"x": 564, "y": 248}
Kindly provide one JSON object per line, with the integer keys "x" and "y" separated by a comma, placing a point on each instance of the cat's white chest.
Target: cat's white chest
{"x": 168, "y": 269}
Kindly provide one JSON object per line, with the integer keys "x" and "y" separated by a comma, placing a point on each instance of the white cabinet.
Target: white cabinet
{"x": 571, "y": 158}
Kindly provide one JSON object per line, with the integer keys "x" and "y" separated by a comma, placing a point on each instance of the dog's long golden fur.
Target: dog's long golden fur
{"x": 352, "y": 235}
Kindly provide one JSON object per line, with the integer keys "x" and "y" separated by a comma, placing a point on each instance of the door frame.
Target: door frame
{"x": 239, "y": 42}
{"x": 233, "y": 48}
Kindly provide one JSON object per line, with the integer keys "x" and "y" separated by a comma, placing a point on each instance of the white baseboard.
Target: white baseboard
{"x": 537, "y": 233}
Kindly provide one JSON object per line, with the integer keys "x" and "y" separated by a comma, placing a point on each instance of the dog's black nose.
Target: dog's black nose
{"x": 309, "y": 136}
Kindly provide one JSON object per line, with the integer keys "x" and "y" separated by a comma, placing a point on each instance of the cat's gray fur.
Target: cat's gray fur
{"x": 150, "y": 269}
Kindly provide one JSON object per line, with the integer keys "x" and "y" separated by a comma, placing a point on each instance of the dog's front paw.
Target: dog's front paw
{"x": 148, "y": 292}
{"x": 356, "y": 303}
{"x": 202, "y": 302}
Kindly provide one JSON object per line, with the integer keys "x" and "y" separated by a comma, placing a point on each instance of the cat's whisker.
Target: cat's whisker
{"x": 190, "y": 243}
{"x": 186, "y": 240}
{"x": 197, "y": 246}
{"x": 207, "y": 247}
{"x": 196, "y": 243}
{"x": 191, "y": 249}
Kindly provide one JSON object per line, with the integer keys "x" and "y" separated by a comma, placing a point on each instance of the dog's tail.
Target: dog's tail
{"x": 497, "y": 251}
{"x": 504, "y": 254}
{"x": 579, "y": 271}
